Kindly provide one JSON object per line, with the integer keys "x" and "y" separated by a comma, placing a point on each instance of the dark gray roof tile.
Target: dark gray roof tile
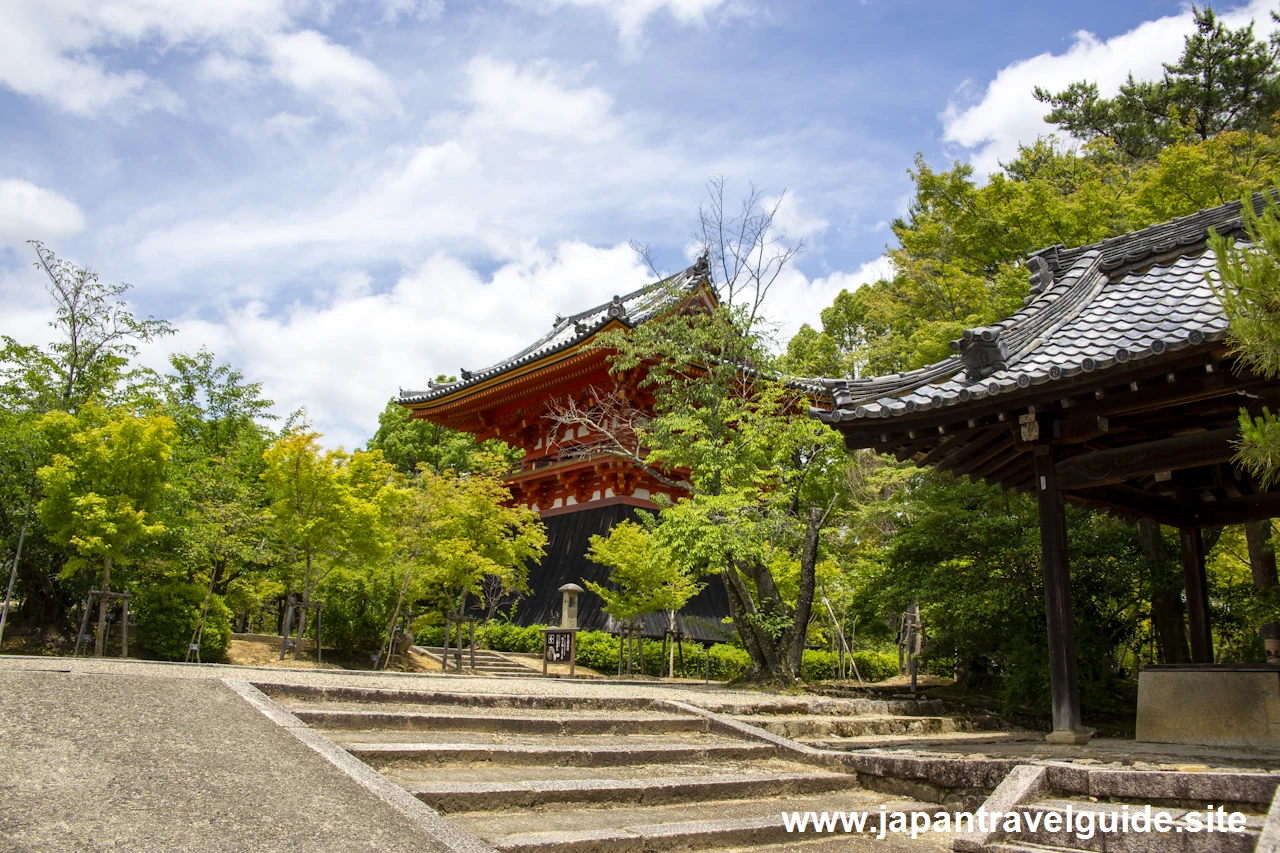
{"x": 1107, "y": 305}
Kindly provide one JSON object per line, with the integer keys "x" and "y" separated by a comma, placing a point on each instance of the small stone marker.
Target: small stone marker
{"x": 561, "y": 644}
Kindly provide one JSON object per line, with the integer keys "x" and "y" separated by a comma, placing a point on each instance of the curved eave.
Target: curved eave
{"x": 457, "y": 397}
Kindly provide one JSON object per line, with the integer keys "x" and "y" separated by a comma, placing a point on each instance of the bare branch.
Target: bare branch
{"x": 615, "y": 429}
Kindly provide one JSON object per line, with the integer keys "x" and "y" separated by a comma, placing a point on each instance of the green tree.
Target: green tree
{"x": 408, "y": 443}
{"x": 759, "y": 471}
{"x": 327, "y": 507}
{"x": 106, "y": 476}
{"x": 98, "y": 337}
{"x": 1248, "y": 283}
{"x": 644, "y": 577}
{"x": 1225, "y": 80}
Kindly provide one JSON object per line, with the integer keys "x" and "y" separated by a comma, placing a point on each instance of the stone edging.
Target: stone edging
{"x": 937, "y": 780}
{"x": 446, "y": 834}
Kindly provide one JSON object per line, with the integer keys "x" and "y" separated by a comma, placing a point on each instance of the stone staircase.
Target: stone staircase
{"x": 864, "y": 723}
{"x": 1067, "y": 806}
{"x": 487, "y": 662}
{"x": 605, "y": 775}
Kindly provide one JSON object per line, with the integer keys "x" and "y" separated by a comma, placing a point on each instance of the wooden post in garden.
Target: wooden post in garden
{"x": 1197, "y": 595}
{"x": 1063, "y": 686}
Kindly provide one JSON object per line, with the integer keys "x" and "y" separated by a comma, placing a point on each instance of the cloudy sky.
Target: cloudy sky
{"x": 346, "y": 197}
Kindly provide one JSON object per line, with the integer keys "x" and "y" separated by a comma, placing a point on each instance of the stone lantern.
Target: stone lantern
{"x": 569, "y": 605}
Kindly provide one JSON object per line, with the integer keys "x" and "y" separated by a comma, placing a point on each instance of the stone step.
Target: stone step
{"x": 810, "y": 706}
{"x": 941, "y": 739}
{"x": 580, "y": 724}
{"x": 1178, "y": 840}
{"x": 494, "y": 796}
{"x": 483, "y": 658}
{"x": 830, "y": 726}
{"x": 381, "y": 755}
{"x": 740, "y": 823}
{"x": 289, "y": 693}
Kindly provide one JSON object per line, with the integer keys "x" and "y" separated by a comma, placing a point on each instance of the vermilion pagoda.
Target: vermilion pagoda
{"x": 565, "y": 476}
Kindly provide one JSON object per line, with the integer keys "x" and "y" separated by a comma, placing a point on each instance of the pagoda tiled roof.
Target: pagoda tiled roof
{"x": 630, "y": 309}
{"x": 1091, "y": 308}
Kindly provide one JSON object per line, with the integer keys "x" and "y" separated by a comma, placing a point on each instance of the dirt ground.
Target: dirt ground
{"x": 264, "y": 650}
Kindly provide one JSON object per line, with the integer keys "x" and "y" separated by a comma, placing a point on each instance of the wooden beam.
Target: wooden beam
{"x": 1104, "y": 467}
{"x": 1240, "y": 510}
{"x": 1135, "y": 501}
{"x": 1068, "y": 727}
{"x": 1197, "y": 595}
{"x": 996, "y": 444}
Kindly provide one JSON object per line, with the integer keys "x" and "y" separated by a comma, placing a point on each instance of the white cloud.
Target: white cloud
{"x": 29, "y": 212}
{"x": 991, "y": 123}
{"x": 351, "y": 85}
{"x": 629, "y": 16}
{"x": 50, "y": 51}
{"x": 535, "y": 99}
{"x": 795, "y": 299}
{"x": 792, "y": 222}
{"x": 422, "y": 10}
{"x": 343, "y": 357}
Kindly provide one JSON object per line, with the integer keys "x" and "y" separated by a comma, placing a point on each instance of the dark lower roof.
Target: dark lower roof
{"x": 568, "y": 540}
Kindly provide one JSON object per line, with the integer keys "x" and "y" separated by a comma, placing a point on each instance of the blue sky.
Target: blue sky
{"x": 343, "y": 198}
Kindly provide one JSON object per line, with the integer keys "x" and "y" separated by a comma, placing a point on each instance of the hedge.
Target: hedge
{"x": 168, "y": 614}
{"x": 872, "y": 665}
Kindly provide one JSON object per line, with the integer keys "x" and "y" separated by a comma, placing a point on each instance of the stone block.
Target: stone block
{"x": 1210, "y": 706}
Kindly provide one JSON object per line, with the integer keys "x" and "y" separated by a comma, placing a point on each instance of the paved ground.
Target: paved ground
{"x": 108, "y": 754}
{"x": 434, "y": 681}
{"x": 154, "y": 763}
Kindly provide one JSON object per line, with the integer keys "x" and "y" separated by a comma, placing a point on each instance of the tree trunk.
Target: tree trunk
{"x": 1167, "y": 613}
{"x": 13, "y": 571}
{"x": 304, "y": 610}
{"x": 804, "y": 598}
{"x": 99, "y": 642}
{"x": 1262, "y": 556}
{"x": 743, "y": 613}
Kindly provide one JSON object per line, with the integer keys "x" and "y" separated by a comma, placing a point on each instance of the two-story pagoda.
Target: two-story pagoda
{"x": 565, "y": 476}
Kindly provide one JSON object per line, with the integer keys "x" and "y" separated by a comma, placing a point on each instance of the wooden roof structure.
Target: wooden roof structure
{"x": 1113, "y": 386}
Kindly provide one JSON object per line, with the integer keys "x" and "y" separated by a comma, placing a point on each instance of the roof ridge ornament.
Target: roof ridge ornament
{"x": 1042, "y": 271}
{"x": 616, "y": 311}
{"x": 983, "y": 351}
{"x": 702, "y": 266}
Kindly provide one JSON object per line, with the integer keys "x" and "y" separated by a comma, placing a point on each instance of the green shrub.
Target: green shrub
{"x": 168, "y": 614}
{"x": 597, "y": 650}
{"x": 818, "y": 665}
{"x": 728, "y": 662}
{"x": 425, "y": 633}
{"x": 505, "y": 637}
{"x": 874, "y": 665}
{"x": 356, "y": 611}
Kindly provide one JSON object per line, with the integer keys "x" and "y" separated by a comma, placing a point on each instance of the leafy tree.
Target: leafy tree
{"x": 726, "y": 430}
{"x": 1249, "y": 287}
{"x": 98, "y": 335}
{"x": 408, "y": 443}
{"x": 456, "y": 531}
{"x": 107, "y": 475}
{"x": 1225, "y": 80}
{"x": 646, "y": 579}
{"x": 327, "y": 507}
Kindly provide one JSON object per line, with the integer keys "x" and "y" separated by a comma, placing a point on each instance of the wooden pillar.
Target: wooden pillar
{"x": 1197, "y": 595}
{"x": 1064, "y": 688}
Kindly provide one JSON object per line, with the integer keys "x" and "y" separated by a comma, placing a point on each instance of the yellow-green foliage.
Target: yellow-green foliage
{"x": 643, "y": 575}
{"x": 106, "y": 476}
